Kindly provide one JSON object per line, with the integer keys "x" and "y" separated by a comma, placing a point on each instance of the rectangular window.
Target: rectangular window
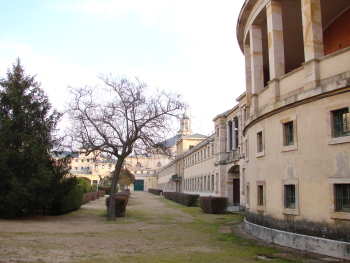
{"x": 260, "y": 195}
{"x": 289, "y": 191}
{"x": 248, "y": 195}
{"x": 342, "y": 197}
{"x": 341, "y": 122}
{"x": 288, "y": 133}
{"x": 260, "y": 145}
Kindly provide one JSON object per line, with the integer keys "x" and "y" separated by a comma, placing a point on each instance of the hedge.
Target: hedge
{"x": 120, "y": 205}
{"x": 182, "y": 198}
{"x": 125, "y": 194}
{"x": 213, "y": 204}
{"x": 155, "y": 191}
{"x": 70, "y": 202}
{"x": 87, "y": 197}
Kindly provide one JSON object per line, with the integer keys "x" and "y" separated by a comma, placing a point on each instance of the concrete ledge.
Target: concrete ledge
{"x": 317, "y": 245}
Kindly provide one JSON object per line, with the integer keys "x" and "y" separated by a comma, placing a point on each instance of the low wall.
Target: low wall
{"x": 317, "y": 245}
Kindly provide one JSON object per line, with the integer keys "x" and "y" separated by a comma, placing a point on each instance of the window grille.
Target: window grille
{"x": 342, "y": 193}
{"x": 289, "y": 196}
{"x": 341, "y": 123}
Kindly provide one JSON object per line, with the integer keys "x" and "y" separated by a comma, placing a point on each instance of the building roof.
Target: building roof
{"x": 171, "y": 141}
{"x": 64, "y": 154}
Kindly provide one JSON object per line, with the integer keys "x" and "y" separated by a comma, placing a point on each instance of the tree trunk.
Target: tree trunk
{"x": 111, "y": 208}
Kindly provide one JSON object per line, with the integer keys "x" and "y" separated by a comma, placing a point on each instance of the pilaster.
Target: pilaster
{"x": 312, "y": 73}
{"x": 274, "y": 86}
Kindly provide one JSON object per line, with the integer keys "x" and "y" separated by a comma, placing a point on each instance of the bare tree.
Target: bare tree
{"x": 120, "y": 118}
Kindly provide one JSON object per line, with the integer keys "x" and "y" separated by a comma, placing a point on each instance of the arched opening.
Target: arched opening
{"x": 234, "y": 180}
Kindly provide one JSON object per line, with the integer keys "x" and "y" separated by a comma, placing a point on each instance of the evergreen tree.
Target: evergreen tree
{"x": 29, "y": 177}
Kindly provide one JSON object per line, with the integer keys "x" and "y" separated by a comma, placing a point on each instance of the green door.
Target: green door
{"x": 138, "y": 185}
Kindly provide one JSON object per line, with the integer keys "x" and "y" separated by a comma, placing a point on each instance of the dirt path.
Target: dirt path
{"x": 154, "y": 230}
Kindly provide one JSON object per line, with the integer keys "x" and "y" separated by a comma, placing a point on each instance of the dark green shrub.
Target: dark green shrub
{"x": 107, "y": 189}
{"x": 70, "y": 202}
{"x": 155, "y": 191}
{"x": 120, "y": 205}
{"x": 86, "y": 185}
{"x": 175, "y": 197}
{"x": 189, "y": 199}
{"x": 213, "y": 204}
{"x": 182, "y": 198}
{"x": 167, "y": 195}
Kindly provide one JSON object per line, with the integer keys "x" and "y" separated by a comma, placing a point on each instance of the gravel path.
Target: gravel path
{"x": 154, "y": 230}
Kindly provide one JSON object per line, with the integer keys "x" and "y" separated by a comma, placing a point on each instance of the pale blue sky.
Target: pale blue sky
{"x": 188, "y": 46}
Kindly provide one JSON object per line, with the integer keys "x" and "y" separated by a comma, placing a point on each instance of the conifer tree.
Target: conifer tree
{"x": 29, "y": 177}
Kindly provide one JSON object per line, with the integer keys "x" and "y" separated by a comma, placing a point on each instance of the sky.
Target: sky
{"x": 186, "y": 46}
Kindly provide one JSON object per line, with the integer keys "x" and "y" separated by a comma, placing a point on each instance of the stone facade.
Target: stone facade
{"x": 284, "y": 149}
{"x": 297, "y": 154}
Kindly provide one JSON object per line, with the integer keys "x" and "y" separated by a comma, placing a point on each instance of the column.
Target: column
{"x": 312, "y": 29}
{"x": 256, "y": 56}
{"x": 239, "y": 127}
{"x": 248, "y": 73}
{"x": 228, "y": 144}
{"x": 256, "y": 63}
{"x": 234, "y": 137}
{"x": 275, "y": 39}
{"x": 313, "y": 41}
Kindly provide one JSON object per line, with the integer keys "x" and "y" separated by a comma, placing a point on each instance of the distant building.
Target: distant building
{"x": 93, "y": 167}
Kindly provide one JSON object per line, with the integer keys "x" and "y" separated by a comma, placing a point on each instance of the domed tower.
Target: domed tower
{"x": 185, "y": 125}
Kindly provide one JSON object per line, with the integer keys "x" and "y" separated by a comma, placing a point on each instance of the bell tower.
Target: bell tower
{"x": 185, "y": 125}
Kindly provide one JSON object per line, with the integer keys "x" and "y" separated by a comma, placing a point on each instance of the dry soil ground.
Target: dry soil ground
{"x": 154, "y": 230}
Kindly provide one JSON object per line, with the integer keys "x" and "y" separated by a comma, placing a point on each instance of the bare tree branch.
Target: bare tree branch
{"x": 126, "y": 117}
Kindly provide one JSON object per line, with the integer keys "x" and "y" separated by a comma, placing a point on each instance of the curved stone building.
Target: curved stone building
{"x": 296, "y": 133}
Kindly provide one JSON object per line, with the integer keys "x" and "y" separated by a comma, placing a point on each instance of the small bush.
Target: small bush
{"x": 182, "y": 198}
{"x": 189, "y": 199}
{"x": 107, "y": 189}
{"x": 120, "y": 205}
{"x": 213, "y": 204}
{"x": 155, "y": 191}
{"x": 125, "y": 194}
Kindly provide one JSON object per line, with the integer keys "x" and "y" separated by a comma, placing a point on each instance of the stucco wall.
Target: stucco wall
{"x": 311, "y": 162}
{"x": 337, "y": 35}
